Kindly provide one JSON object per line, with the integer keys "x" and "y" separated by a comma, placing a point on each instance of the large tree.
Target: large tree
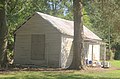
{"x": 77, "y": 62}
{"x": 3, "y": 34}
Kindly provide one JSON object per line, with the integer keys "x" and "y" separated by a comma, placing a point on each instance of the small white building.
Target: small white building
{"x": 47, "y": 41}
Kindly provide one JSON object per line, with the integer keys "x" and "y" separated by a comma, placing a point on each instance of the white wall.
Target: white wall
{"x": 96, "y": 52}
{"x": 90, "y": 53}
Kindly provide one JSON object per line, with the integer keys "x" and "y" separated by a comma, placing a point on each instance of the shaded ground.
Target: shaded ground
{"x": 87, "y": 69}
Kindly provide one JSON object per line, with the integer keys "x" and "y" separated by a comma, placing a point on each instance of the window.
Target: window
{"x": 38, "y": 47}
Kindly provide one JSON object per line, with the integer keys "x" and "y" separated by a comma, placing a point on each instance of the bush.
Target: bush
{"x": 117, "y": 55}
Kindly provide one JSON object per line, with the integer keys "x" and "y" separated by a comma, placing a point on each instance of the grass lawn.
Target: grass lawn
{"x": 115, "y": 63}
{"x": 92, "y": 73}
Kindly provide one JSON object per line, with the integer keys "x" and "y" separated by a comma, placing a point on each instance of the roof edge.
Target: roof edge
{"x": 23, "y": 23}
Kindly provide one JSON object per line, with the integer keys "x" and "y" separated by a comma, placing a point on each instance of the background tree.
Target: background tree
{"x": 105, "y": 21}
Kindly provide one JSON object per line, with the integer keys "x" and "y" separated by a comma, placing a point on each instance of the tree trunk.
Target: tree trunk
{"x": 77, "y": 62}
{"x": 3, "y": 34}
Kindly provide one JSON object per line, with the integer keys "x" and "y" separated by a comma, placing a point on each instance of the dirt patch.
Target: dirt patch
{"x": 98, "y": 69}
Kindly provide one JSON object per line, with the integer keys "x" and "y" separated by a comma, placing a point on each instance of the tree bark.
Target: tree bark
{"x": 77, "y": 62}
{"x": 3, "y": 34}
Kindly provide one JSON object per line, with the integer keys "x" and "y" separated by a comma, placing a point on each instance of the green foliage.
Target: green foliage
{"x": 116, "y": 48}
{"x": 117, "y": 55}
{"x": 103, "y": 14}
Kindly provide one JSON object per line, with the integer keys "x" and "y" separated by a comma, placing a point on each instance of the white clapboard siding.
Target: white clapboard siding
{"x": 22, "y": 49}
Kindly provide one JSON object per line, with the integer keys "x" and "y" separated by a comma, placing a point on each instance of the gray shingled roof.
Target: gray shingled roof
{"x": 67, "y": 27}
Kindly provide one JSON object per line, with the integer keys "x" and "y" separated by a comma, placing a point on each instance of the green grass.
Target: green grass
{"x": 105, "y": 74}
{"x": 61, "y": 75}
{"x": 115, "y": 63}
